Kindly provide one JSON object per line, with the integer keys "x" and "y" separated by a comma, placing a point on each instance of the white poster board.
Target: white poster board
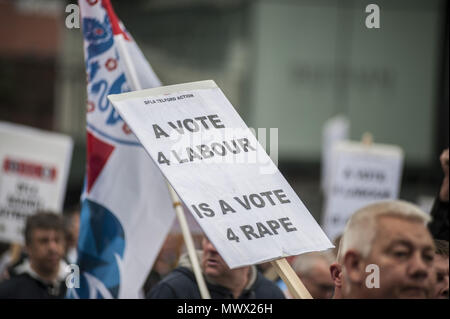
{"x": 361, "y": 174}
{"x": 33, "y": 175}
{"x": 220, "y": 171}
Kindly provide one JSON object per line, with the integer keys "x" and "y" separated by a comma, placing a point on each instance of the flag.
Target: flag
{"x": 126, "y": 210}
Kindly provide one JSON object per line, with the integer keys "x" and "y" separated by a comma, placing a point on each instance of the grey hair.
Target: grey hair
{"x": 360, "y": 231}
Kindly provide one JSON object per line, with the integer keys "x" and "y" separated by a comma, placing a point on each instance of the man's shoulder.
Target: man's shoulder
{"x": 179, "y": 275}
{"x": 24, "y": 286}
{"x": 179, "y": 283}
{"x": 266, "y": 289}
{"x": 16, "y": 280}
{"x": 16, "y": 286}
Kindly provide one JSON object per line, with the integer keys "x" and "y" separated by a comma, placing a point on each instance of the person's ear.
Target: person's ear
{"x": 336, "y": 274}
{"x": 354, "y": 267}
{"x": 290, "y": 259}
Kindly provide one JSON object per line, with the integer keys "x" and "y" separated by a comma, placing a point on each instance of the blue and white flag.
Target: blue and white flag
{"x": 126, "y": 208}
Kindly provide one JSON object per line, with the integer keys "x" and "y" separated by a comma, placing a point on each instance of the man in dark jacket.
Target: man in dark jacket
{"x": 42, "y": 274}
{"x": 222, "y": 282}
{"x": 439, "y": 226}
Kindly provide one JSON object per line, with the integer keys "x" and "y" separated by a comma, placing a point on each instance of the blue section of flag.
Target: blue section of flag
{"x": 101, "y": 243}
{"x": 99, "y": 35}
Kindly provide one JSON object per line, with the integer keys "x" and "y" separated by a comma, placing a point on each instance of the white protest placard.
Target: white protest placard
{"x": 33, "y": 175}
{"x": 220, "y": 171}
{"x": 361, "y": 174}
{"x": 336, "y": 129}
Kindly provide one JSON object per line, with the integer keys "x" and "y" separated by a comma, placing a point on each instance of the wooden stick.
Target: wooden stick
{"x": 15, "y": 252}
{"x": 290, "y": 278}
{"x": 204, "y": 292}
{"x": 367, "y": 139}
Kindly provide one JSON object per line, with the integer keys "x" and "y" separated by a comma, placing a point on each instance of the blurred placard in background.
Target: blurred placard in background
{"x": 33, "y": 175}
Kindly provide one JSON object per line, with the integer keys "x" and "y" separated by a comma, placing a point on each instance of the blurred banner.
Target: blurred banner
{"x": 360, "y": 174}
{"x": 33, "y": 175}
{"x": 126, "y": 209}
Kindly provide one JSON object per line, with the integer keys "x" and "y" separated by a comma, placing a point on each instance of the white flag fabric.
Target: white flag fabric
{"x": 126, "y": 208}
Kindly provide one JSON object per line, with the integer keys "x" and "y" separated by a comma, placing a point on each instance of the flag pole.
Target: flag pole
{"x": 136, "y": 85}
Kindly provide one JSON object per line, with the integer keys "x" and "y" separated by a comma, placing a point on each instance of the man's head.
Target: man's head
{"x": 212, "y": 263}
{"x": 441, "y": 270}
{"x": 216, "y": 268}
{"x": 391, "y": 237}
{"x": 45, "y": 242}
{"x": 313, "y": 270}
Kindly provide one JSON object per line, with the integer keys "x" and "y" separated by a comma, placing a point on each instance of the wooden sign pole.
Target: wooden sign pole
{"x": 367, "y": 139}
{"x": 15, "y": 252}
{"x": 290, "y": 278}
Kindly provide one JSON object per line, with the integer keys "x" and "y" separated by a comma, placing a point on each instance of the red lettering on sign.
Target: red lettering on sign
{"x": 29, "y": 169}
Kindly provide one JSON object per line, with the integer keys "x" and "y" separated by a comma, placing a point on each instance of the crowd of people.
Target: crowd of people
{"x": 389, "y": 249}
